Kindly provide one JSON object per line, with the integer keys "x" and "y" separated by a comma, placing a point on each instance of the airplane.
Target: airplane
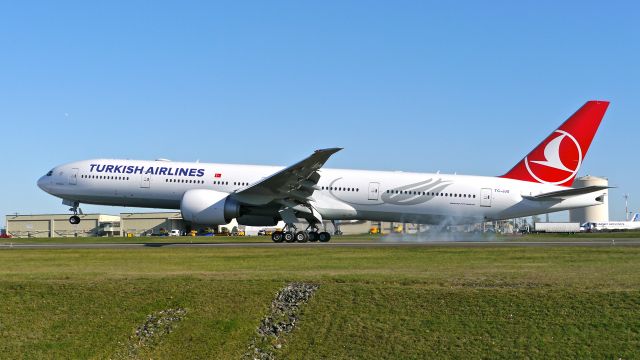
{"x": 255, "y": 195}
{"x": 634, "y": 224}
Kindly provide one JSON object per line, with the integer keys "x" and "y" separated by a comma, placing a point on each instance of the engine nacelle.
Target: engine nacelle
{"x": 202, "y": 206}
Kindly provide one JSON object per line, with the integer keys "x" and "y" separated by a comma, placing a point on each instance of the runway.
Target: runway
{"x": 559, "y": 243}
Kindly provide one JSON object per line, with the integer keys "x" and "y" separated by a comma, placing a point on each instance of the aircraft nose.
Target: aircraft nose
{"x": 42, "y": 183}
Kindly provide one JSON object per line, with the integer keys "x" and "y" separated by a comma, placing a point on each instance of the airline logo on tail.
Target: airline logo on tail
{"x": 557, "y": 159}
{"x": 551, "y": 169}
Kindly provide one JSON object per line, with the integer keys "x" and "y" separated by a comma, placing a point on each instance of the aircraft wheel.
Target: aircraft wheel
{"x": 302, "y": 237}
{"x": 324, "y": 236}
{"x": 289, "y": 237}
{"x": 313, "y": 236}
{"x": 276, "y": 237}
{"x": 74, "y": 220}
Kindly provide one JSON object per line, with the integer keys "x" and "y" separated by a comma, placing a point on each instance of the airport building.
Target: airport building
{"x": 155, "y": 223}
{"x": 125, "y": 224}
{"x": 57, "y": 225}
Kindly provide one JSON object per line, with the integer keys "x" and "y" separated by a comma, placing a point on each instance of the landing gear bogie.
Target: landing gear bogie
{"x": 290, "y": 235}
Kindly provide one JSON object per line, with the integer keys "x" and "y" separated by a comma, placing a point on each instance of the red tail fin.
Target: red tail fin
{"x": 557, "y": 159}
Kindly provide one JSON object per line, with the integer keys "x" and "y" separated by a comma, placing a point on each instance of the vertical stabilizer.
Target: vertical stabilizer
{"x": 557, "y": 159}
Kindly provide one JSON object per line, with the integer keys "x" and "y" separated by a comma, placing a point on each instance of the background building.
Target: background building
{"x": 597, "y": 213}
{"x": 145, "y": 224}
{"x": 57, "y": 225}
{"x": 125, "y": 224}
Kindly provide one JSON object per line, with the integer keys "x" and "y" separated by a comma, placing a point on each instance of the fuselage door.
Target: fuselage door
{"x": 485, "y": 197}
{"x": 373, "y": 190}
{"x": 145, "y": 181}
{"x": 73, "y": 177}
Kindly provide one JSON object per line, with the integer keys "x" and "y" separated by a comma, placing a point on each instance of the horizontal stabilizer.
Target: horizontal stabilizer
{"x": 567, "y": 193}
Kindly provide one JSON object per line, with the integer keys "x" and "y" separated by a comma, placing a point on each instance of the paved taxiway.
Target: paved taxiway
{"x": 593, "y": 243}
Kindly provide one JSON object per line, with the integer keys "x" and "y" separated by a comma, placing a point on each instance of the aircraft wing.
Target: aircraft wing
{"x": 561, "y": 194}
{"x": 293, "y": 184}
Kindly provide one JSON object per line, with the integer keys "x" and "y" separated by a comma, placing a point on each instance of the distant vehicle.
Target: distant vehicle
{"x": 174, "y": 232}
{"x": 556, "y": 227}
{"x": 634, "y": 224}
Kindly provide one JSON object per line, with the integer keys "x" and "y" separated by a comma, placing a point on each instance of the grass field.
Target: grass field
{"x": 392, "y": 302}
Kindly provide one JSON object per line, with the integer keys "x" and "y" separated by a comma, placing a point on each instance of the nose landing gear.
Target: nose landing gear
{"x": 75, "y": 219}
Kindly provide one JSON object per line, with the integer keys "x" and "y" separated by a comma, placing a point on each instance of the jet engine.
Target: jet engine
{"x": 202, "y": 206}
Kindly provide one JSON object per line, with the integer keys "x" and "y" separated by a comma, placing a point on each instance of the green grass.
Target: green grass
{"x": 392, "y": 302}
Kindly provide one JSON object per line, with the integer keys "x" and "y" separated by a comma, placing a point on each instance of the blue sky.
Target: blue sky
{"x": 466, "y": 87}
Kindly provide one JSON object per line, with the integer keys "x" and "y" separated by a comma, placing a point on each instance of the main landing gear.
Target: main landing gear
{"x": 290, "y": 235}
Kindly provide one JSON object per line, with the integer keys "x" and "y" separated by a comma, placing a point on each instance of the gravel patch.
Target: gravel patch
{"x": 150, "y": 332}
{"x": 282, "y": 319}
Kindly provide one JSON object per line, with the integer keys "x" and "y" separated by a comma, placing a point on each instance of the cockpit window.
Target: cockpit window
{"x": 50, "y": 173}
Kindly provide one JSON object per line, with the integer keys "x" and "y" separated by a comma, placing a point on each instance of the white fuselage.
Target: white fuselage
{"x": 343, "y": 194}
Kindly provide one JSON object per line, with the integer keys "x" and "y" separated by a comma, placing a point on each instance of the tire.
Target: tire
{"x": 324, "y": 236}
{"x": 289, "y": 237}
{"x": 74, "y": 220}
{"x": 302, "y": 237}
{"x": 313, "y": 236}
{"x": 277, "y": 237}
